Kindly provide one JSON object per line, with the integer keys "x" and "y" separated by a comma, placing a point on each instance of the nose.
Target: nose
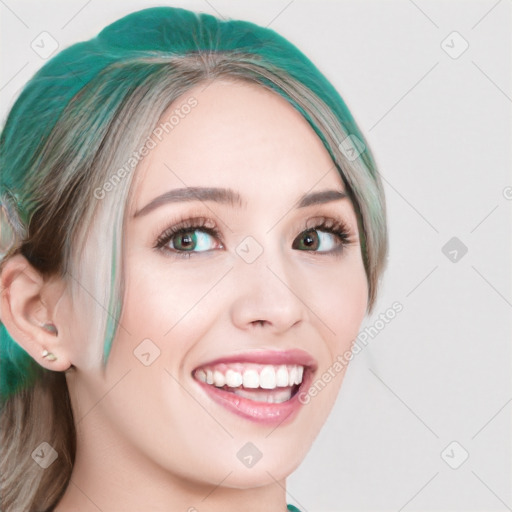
{"x": 267, "y": 295}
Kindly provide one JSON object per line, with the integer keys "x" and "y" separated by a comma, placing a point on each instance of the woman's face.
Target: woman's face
{"x": 247, "y": 294}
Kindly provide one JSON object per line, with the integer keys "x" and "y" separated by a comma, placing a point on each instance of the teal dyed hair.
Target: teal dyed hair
{"x": 74, "y": 105}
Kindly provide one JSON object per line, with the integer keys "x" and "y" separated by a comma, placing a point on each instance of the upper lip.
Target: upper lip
{"x": 274, "y": 357}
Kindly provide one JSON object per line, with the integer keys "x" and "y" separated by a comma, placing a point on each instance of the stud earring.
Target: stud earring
{"x": 49, "y": 355}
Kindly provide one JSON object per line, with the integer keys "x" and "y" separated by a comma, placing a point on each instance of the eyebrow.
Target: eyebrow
{"x": 230, "y": 197}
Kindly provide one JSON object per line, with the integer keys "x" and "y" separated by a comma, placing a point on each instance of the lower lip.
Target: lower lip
{"x": 260, "y": 412}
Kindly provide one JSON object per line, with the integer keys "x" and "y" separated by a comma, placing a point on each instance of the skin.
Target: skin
{"x": 148, "y": 436}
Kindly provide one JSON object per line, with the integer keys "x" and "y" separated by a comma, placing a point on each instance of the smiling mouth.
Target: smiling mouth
{"x": 272, "y": 384}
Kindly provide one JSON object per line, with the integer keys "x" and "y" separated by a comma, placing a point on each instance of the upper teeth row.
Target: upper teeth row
{"x": 269, "y": 377}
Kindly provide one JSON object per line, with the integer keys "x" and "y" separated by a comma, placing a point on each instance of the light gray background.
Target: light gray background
{"x": 440, "y": 130}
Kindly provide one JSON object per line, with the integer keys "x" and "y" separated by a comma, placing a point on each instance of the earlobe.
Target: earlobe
{"x": 27, "y": 307}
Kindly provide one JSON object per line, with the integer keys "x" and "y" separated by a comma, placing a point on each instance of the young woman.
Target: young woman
{"x": 193, "y": 228}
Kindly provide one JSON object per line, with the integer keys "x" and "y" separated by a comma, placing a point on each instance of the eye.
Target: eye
{"x": 188, "y": 237}
{"x": 191, "y": 240}
{"x": 327, "y": 236}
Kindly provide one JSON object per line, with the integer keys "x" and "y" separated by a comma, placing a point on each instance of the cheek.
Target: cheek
{"x": 339, "y": 298}
{"x": 168, "y": 301}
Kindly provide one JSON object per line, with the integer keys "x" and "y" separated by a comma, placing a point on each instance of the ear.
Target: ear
{"x": 27, "y": 310}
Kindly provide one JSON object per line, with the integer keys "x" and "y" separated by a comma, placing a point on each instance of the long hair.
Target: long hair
{"x": 68, "y": 153}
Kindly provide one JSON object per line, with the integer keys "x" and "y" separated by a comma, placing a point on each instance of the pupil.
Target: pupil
{"x": 310, "y": 239}
{"x": 186, "y": 241}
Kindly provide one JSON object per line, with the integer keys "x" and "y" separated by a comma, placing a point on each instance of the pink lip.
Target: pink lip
{"x": 262, "y": 412}
{"x": 274, "y": 357}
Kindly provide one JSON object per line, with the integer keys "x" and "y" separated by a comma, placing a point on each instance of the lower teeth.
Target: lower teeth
{"x": 275, "y": 397}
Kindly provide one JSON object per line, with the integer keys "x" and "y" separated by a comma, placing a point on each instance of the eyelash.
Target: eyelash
{"x": 326, "y": 224}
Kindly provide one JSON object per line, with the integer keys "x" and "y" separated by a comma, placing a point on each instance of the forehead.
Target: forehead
{"x": 237, "y": 135}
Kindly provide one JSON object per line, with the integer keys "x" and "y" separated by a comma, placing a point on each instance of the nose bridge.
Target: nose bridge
{"x": 265, "y": 286}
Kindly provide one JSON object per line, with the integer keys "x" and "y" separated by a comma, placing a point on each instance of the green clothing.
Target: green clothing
{"x": 292, "y": 508}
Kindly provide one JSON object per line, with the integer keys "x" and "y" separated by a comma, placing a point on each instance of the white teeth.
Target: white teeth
{"x": 276, "y": 397}
{"x": 233, "y": 379}
{"x": 253, "y": 376}
{"x": 300, "y": 373}
{"x": 251, "y": 379}
{"x": 268, "y": 377}
{"x": 218, "y": 379}
{"x": 293, "y": 377}
{"x": 282, "y": 377}
{"x": 201, "y": 375}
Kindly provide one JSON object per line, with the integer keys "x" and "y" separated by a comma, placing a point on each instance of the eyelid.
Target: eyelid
{"x": 312, "y": 222}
